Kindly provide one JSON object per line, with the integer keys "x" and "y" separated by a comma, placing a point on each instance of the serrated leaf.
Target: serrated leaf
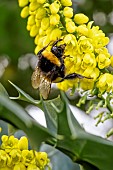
{"x": 91, "y": 151}
{"x": 24, "y": 96}
{"x": 51, "y": 108}
{"x": 3, "y": 90}
{"x": 16, "y": 115}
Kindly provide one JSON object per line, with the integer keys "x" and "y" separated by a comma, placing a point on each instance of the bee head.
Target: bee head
{"x": 58, "y": 51}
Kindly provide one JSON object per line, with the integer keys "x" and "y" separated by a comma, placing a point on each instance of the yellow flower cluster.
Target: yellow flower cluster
{"x": 14, "y": 155}
{"x": 85, "y": 44}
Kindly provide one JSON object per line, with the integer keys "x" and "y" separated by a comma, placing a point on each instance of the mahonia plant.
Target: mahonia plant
{"x": 14, "y": 155}
{"x": 86, "y": 50}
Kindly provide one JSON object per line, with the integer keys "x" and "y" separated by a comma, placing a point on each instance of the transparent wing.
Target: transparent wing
{"x": 36, "y": 78}
{"x": 44, "y": 88}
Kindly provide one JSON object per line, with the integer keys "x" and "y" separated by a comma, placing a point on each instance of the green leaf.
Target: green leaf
{"x": 3, "y": 90}
{"x": 17, "y": 116}
{"x": 58, "y": 159}
{"x": 91, "y": 151}
{"x": 50, "y": 109}
{"x": 24, "y": 96}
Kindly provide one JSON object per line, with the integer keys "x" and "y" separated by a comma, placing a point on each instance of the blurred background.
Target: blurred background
{"x": 17, "y": 59}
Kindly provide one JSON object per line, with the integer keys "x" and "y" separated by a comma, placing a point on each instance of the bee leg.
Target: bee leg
{"x": 74, "y": 76}
{"x": 64, "y": 56}
{"x": 55, "y": 42}
{"x": 40, "y": 52}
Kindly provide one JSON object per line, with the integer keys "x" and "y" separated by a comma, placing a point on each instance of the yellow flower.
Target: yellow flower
{"x": 9, "y": 143}
{"x": 80, "y": 18}
{"x": 49, "y": 30}
{"x": 45, "y": 23}
{"x": 34, "y": 6}
{"x": 82, "y": 30}
{"x": 23, "y": 3}
{"x": 54, "y": 7}
{"x": 103, "y": 61}
{"x": 34, "y": 31}
{"x": 31, "y": 20}
{"x": 6, "y": 168}
{"x": 70, "y": 26}
{"x": 25, "y": 12}
{"x": 15, "y": 156}
{"x": 23, "y": 143}
{"x": 38, "y": 22}
{"x": 68, "y": 12}
{"x": 41, "y": 32}
{"x": 32, "y": 167}
{"x": 86, "y": 84}
{"x": 28, "y": 157}
{"x": 111, "y": 61}
{"x": 37, "y": 49}
{"x": 105, "y": 83}
{"x": 28, "y": 27}
{"x": 41, "y": 1}
{"x": 19, "y": 166}
{"x": 41, "y": 159}
{"x": 88, "y": 61}
{"x": 41, "y": 13}
{"x": 85, "y": 45}
{"x": 67, "y": 84}
{"x": 100, "y": 41}
{"x": 55, "y": 34}
{"x": 92, "y": 73}
{"x": 3, "y": 158}
{"x": 54, "y": 19}
{"x": 70, "y": 39}
{"x": 66, "y": 2}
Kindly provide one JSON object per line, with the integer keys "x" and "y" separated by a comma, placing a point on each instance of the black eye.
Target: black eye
{"x": 57, "y": 51}
{"x": 54, "y": 49}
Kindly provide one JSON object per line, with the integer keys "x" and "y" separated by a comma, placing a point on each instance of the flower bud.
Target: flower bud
{"x": 41, "y": 32}
{"x": 37, "y": 49}
{"x": 66, "y": 2}
{"x": 70, "y": 26}
{"x": 68, "y": 12}
{"x": 81, "y": 18}
{"x": 41, "y": 1}
{"x": 23, "y": 143}
{"x": 25, "y": 12}
{"x": 54, "y": 19}
{"x": 19, "y": 166}
{"x": 111, "y": 61}
{"x": 55, "y": 34}
{"x": 31, "y": 20}
{"x": 23, "y": 3}
{"x": 28, "y": 27}
{"x": 41, "y": 13}
{"x": 34, "y": 31}
{"x": 45, "y": 23}
{"x": 34, "y": 5}
{"x": 54, "y": 7}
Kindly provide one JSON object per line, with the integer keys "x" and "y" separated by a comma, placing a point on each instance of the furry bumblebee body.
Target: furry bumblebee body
{"x": 50, "y": 69}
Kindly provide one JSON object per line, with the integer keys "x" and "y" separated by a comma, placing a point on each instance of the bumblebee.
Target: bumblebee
{"x": 50, "y": 68}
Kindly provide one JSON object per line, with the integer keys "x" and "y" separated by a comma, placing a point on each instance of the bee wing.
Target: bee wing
{"x": 36, "y": 78}
{"x": 39, "y": 80}
{"x": 44, "y": 88}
